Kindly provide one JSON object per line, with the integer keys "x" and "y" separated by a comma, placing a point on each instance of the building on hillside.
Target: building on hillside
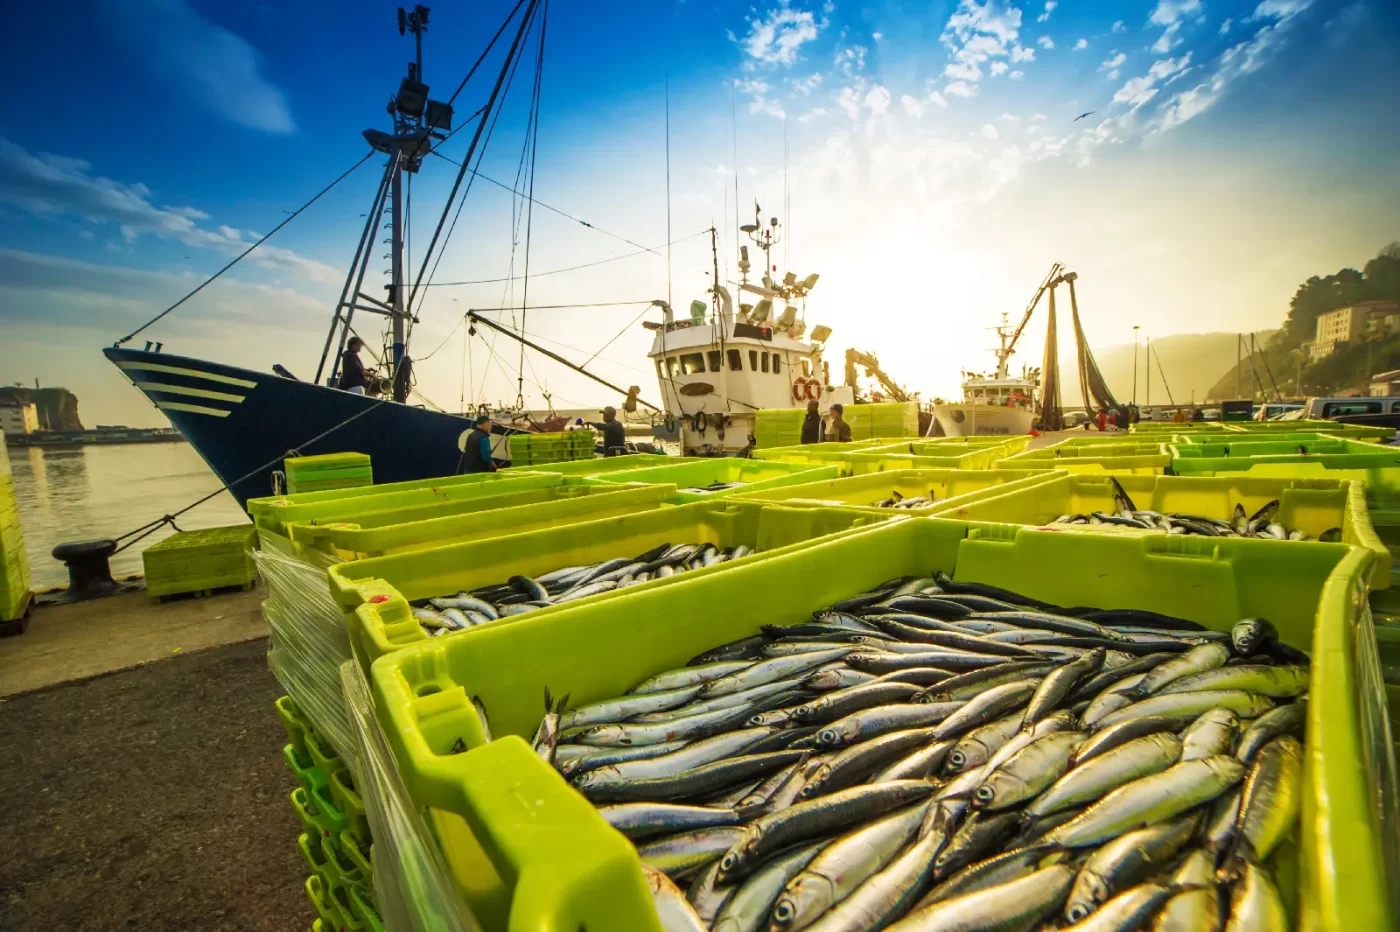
{"x": 18, "y": 419}
{"x": 1385, "y": 384}
{"x": 1372, "y": 320}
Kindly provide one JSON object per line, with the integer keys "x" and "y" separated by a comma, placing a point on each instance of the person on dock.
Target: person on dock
{"x": 1103, "y": 419}
{"x": 614, "y": 434}
{"x": 353, "y": 377}
{"x": 838, "y": 430}
{"x": 476, "y": 455}
{"x": 812, "y": 428}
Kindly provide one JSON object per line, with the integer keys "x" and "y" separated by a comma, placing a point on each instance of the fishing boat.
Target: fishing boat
{"x": 1000, "y": 403}
{"x": 243, "y": 422}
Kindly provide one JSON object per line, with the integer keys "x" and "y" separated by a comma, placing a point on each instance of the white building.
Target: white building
{"x": 18, "y": 419}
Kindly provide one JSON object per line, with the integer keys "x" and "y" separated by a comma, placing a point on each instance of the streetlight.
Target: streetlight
{"x": 1135, "y": 351}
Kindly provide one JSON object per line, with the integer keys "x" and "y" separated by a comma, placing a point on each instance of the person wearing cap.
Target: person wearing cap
{"x": 614, "y": 435}
{"x": 837, "y": 429}
{"x": 476, "y": 455}
{"x": 812, "y": 424}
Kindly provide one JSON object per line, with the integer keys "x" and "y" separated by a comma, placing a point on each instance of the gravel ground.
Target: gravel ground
{"x": 152, "y": 798}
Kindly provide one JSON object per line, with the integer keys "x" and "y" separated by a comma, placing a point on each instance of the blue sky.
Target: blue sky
{"x": 934, "y": 170}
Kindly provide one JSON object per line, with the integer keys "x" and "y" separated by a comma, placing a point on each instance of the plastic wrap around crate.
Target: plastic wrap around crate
{"x": 692, "y": 474}
{"x": 882, "y": 419}
{"x": 1131, "y": 458}
{"x": 198, "y": 561}
{"x": 947, "y": 488}
{"x": 1377, "y": 465}
{"x": 480, "y": 518}
{"x": 404, "y": 501}
{"x": 546, "y": 842}
{"x": 375, "y": 593}
{"x": 1309, "y": 505}
{"x": 777, "y": 427}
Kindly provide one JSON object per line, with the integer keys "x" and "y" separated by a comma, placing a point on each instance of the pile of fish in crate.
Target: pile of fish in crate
{"x": 944, "y": 756}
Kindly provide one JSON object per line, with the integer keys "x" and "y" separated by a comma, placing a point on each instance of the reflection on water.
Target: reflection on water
{"x": 105, "y": 491}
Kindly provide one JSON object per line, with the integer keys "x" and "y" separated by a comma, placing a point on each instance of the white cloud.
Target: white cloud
{"x": 1038, "y": 117}
{"x": 760, "y": 99}
{"x": 1168, "y": 12}
{"x": 776, "y": 38}
{"x": 877, "y": 36}
{"x": 912, "y": 106}
{"x": 1081, "y": 44}
{"x": 805, "y": 86}
{"x": 1016, "y": 75}
{"x": 850, "y": 60}
{"x": 960, "y": 89}
{"x": 1168, "y": 40}
{"x": 52, "y": 185}
{"x": 1225, "y": 26}
{"x": 878, "y": 100}
{"x": 1049, "y": 8}
{"x": 1280, "y": 9}
{"x": 1045, "y": 42}
{"x": 980, "y": 32}
{"x": 1119, "y": 27}
{"x": 988, "y": 131}
{"x": 217, "y": 68}
{"x": 1009, "y": 118}
{"x": 812, "y": 114}
{"x": 849, "y": 101}
{"x": 937, "y": 99}
{"x": 1112, "y": 64}
{"x": 998, "y": 68}
{"x": 1140, "y": 90}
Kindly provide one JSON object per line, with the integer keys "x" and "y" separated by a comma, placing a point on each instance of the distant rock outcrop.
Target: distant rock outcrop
{"x": 57, "y": 407}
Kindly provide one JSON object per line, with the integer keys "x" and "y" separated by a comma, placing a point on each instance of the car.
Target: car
{"x": 1271, "y": 412}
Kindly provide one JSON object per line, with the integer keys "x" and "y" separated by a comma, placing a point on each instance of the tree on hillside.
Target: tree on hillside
{"x": 1383, "y": 274}
{"x": 1317, "y": 296}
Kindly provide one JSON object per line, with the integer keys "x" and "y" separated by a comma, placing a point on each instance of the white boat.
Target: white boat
{"x": 997, "y": 404}
{"x": 721, "y": 364}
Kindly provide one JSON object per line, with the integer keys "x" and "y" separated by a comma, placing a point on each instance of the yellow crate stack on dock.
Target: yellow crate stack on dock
{"x": 14, "y": 565}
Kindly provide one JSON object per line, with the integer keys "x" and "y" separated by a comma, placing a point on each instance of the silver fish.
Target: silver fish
{"x": 750, "y": 904}
{"x": 1213, "y": 733}
{"x": 1018, "y": 904}
{"x": 672, "y": 908}
{"x": 1255, "y": 904}
{"x": 1089, "y": 781}
{"x": 1125, "y": 861}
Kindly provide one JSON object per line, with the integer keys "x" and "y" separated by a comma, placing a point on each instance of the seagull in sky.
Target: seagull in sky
{"x": 1083, "y": 115}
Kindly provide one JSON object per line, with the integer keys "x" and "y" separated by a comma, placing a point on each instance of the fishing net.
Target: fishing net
{"x": 1051, "y": 418}
{"x": 1091, "y": 381}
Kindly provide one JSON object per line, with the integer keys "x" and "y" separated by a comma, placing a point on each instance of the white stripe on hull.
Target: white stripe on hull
{"x": 192, "y": 392}
{"x": 192, "y": 409}
{"x": 179, "y": 370}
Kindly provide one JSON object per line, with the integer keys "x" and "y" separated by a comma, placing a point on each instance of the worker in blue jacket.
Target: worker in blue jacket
{"x": 476, "y": 456}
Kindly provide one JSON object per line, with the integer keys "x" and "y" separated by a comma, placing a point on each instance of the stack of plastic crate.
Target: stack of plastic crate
{"x": 1383, "y": 504}
{"x": 536, "y": 449}
{"x": 887, "y": 419}
{"x": 336, "y": 842}
{"x": 327, "y": 471}
{"x": 777, "y": 427}
{"x": 14, "y": 566}
{"x": 200, "y": 562}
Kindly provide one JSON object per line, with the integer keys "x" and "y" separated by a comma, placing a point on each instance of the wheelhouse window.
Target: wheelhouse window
{"x": 736, "y": 362}
{"x": 714, "y": 356}
{"x": 753, "y": 360}
{"x": 673, "y": 366}
{"x": 764, "y": 362}
{"x": 777, "y": 365}
{"x": 692, "y": 363}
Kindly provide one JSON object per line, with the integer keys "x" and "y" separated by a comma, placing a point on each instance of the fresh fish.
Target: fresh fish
{"x": 1061, "y": 624}
{"x": 1110, "y": 700}
{"x": 1197, "y": 660}
{"x": 1246, "y": 705}
{"x": 465, "y": 602}
{"x": 750, "y": 904}
{"x": 1251, "y": 635}
{"x": 988, "y": 706}
{"x": 1255, "y": 904}
{"x": 888, "y": 661}
{"x": 679, "y": 854}
{"x": 994, "y": 871}
{"x": 683, "y": 757}
{"x": 690, "y": 676}
{"x": 573, "y": 759}
{"x": 1125, "y": 861}
{"x": 1090, "y": 780}
{"x": 705, "y": 779}
{"x": 1110, "y": 676}
{"x": 625, "y": 707}
{"x": 979, "y": 833}
{"x": 1058, "y": 684}
{"x": 705, "y": 897}
{"x": 1197, "y": 907}
{"x": 546, "y": 737}
{"x": 766, "y": 671}
{"x": 837, "y": 704}
{"x": 871, "y": 723}
{"x": 1018, "y": 904}
{"x": 641, "y": 820}
{"x": 1277, "y": 682}
{"x": 1287, "y": 719}
{"x": 805, "y": 820}
{"x": 754, "y": 800}
{"x": 1026, "y": 774}
{"x": 745, "y": 698}
{"x": 1270, "y": 802}
{"x": 842, "y": 866}
{"x": 1220, "y": 827}
{"x": 842, "y": 678}
{"x": 1106, "y": 739}
{"x": 530, "y": 588}
{"x": 743, "y": 649}
{"x": 1213, "y": 733}
{"x": 977, "y": 746}
{"x": 968, "y": 685}
{"x": 1131, "y": 909}
{"x": 672, "y": 908}
{"x": 859, "y": 761}
{"x": 917, "y": 765}
{"x": 691, "y": 727}
{"x": 1150, "y": 800}
{"x": 888, "y": 894}
{"x": 957, "y": 640}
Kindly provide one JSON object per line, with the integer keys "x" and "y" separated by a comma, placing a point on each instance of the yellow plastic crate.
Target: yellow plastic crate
{"x": 949, "y": 486}
{"x": 1129, "y": 458}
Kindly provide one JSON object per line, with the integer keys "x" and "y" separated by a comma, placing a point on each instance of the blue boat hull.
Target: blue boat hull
{"x": 243, "y": 423}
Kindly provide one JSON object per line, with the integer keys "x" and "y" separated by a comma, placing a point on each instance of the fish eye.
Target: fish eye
{"x": 783, "y": 912}
{"x": 985, "y": 793}
{"x": 957, "y": 758}
{"x": 1076, "y": 912}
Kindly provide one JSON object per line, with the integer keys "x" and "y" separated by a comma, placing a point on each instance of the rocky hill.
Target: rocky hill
{"x": 57, "y": 407}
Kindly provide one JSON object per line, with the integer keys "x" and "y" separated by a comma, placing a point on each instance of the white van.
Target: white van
{"x": 1330, "y": 408}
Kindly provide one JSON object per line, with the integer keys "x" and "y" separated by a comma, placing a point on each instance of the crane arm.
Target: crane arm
{"x": 1055, "y": 271}
{"x": 872, "y": 367}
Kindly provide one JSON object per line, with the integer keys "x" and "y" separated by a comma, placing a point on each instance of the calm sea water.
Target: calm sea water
{"x": 105, "y": 491}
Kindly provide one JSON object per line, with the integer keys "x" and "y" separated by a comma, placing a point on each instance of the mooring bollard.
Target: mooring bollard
{"x": 89, "y": 576}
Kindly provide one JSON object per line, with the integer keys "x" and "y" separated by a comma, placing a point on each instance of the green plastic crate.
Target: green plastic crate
{"x": 1292, "y": 437}
{"x": 385, "y": 502}
{"x": 1127, "y": 459}
{"x": 303, "y": 768}
{"x": 358, "y": 850}
{"x": 375, "y": 593}
{"x": 319, "y": 894}
{"x": 481, "y": 518}
{"x": 697, "y": 472}
{"x": 564, "y": 867}
{"x": 293, "y": 721}
{"x": 949, "y": 486}
{"x": 1310, "y": 505}
{"x": 596, "y": 466}
{"x": 861, "y": 458}
{"x": 327, "y": 471}
{"x": 344, "y": 909}
{"x": 342, "y": 870}
{"x": 196, "y": 561}
{"x": 364, "y": 909}
{"x": 1376, "y": 465}
{"x": 348, "y": 799}
{"x": 1354, "y": 431}
{"x": 314, "y": 854}
{"x": 882, "y": 419}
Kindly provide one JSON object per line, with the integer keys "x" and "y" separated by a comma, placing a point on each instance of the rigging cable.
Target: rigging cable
{"x": 534, "y": 136}
{"x": 668, "y": 187}
{"x": 572, "y": 268}
{"x": 208, "y": 281}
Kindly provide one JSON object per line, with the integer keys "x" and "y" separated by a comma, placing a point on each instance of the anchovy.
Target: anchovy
{"x": 1277, "y": 682}
{"x": 1130, "y": 909}
{"x": 946, "y": 659}
{"x": 1149, "y": 800}
{"x": 1255, "y": 904}
{"x": 1030, "y": 771}
{"x": 888, "y": 893}
{"x": 766, "y": 671}
{"x": 750, "y": 904}
{"x": 1197, "y": 907}
{"x": 573, "y": 759}
{"x": 834, "y": 705}
{"x": 615, "y": 710}
{"x": 1213, "y": 733}
{"x": 994, "y": 871}
{"x": 967, "y": 685}
{"x": 1108, "y": 676}
{"x": 1270, "y": 802}
{"x": 1285, "y": 720}
{"x": 1134, "y": 616}
{"x": 678, "y": 854}
{"x": 1124, "y": 861}
{"x": 745, "y": 698}
{"x": 1197, "y": 660}
{"x": 1061, "y": 624}
{"x": 706, "y": 778}
{"x": 690, "y": 676}
{"x": 1058, "y": 684}
{"x": 672, "y": 908}
{"x": 860, "y": 760}
{"x": 1246, "y": 705}
{"x": 917, "y": 765}
{"x": 1089, "y": 781}
{"x": 871, "y": 723}
{"x": 742, "y": 649}
{"x": 977, "y": 746}
{"x": 988, "y": 706}
{"x": 842, "y": 866}
{"x": 978, "y": 834}
{"x": 640, "y": 820}
{"x": 1017, "y": 904}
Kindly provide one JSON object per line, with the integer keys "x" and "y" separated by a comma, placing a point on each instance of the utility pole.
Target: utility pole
{"x": 1147, "y": 379}
{"x": 1135, "y": 352}
{"x": 1239, "y": 339}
